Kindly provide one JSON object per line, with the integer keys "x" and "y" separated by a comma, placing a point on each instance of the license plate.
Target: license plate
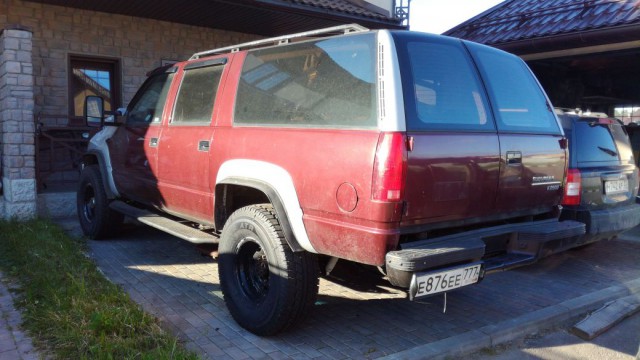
{"x": 429, "y": 283}
{"x": 616, "y": 186}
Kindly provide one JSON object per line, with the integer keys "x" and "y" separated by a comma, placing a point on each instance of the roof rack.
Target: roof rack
{"x": 280, "y": 40}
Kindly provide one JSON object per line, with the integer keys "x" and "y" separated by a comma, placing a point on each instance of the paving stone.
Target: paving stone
{"x": 14, "y": 343}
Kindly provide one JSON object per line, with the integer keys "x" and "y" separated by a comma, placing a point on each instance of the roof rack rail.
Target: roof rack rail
{"x": 280, "y": 40}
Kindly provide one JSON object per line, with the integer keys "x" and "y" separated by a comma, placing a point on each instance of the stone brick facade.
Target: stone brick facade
{"x": 16, "y": 124}
{"x": 38, "y": 41}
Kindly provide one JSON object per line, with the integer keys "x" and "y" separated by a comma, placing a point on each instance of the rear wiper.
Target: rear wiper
{"x": 608, "y": 151}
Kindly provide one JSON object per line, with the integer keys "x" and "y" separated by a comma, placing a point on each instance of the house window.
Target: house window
{"x": 93, "y": 76}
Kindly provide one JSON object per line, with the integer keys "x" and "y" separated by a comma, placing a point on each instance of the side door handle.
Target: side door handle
{"x": 514, "y": 157}
{"x": 153, "y": 142}
{"x": 203, "y": 145}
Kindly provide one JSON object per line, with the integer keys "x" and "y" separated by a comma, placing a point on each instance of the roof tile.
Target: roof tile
{"x": 515, "y": 20}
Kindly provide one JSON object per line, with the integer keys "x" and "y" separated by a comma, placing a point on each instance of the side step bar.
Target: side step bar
{"x": 507, "y": 262}
{"x": 165, "y": 224}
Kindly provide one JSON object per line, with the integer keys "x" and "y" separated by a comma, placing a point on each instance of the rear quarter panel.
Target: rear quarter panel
{"x": 320, "y": 162}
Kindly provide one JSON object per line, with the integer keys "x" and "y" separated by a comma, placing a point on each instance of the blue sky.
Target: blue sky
{"x": 438, "y": 16}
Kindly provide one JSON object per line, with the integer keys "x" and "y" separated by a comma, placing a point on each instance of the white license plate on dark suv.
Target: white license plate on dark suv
{"x": 616, "y": 186}
{"x": 429, "y": 283}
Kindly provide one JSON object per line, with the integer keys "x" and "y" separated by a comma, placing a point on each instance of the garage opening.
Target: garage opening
{"x": 599, "y": 83}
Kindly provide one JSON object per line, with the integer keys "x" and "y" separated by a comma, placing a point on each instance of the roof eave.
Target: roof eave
{"x": 585, "y": 38}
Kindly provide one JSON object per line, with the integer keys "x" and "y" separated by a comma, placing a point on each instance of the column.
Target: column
{"x": 17, "y": 129}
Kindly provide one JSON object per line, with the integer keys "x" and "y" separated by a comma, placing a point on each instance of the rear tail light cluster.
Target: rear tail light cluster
{"x": 606, "y": 121}
{"x": 573, "y": 188}
{"x": 389, "y": 167}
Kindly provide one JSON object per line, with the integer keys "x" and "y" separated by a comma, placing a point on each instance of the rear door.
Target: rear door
{"x": 184, "y": 148}
{"x": 532, "y": 150}
{"x": 452, "y": 171}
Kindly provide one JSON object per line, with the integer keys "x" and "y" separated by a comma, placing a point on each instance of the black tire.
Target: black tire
{"x": 267, "y": 287}
{"x": 97, "y": 220}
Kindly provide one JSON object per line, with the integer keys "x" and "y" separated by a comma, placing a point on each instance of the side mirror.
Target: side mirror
{"x": 94, "y": 111}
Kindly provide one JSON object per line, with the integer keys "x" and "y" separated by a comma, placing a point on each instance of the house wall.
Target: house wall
{"x": 57, "y": 32}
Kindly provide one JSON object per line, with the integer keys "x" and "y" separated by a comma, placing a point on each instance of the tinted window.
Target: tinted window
{"x": 197, "y": 94}
{"x": 596, "y": 142}
{"x": 518, "y": 100}
{"x": 441, "y": 88}
{"x": 148, "y": 104}
{"x": 327, "y": 83}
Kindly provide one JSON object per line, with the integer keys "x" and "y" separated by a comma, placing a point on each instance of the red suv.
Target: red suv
{"x": 434, "y": 158}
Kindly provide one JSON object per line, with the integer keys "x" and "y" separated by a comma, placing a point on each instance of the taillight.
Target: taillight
{"x": 573, "y": 188}
{"x": 389, "y": 167}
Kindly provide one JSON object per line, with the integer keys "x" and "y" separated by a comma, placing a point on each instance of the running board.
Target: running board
{"x": 507, "y": 262}
{"x": 165, "y": 224}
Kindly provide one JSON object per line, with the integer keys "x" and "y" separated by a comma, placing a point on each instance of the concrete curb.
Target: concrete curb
{"x": 512, "y": 329}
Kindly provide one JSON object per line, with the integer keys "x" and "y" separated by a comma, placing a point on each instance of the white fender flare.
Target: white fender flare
{"x": 281, "y": 182}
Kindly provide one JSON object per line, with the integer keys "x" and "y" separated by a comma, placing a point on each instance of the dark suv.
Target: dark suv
{"x": 602, "y": 179}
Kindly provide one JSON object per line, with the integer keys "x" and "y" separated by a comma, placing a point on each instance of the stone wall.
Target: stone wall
{"x": 16, "y": 124}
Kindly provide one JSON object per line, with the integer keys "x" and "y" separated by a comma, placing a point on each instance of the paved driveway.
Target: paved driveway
{"x": 358, "y": 315}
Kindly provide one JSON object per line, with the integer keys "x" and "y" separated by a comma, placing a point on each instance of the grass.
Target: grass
{"x": 67, "y": 304}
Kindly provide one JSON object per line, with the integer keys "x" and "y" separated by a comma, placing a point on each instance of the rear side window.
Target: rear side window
{"x": 196, "y": 95}
{"x": 326, "y": 83}
{"x": 441, "y": 86}
{"x": 596, "y": 142}
{"x": 518, "y": 101}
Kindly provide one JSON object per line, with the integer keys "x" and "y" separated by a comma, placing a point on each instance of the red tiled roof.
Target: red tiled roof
{"x": 515, "y": 20}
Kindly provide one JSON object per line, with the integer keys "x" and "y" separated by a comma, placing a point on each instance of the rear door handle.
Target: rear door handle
{"x": 514, "y": 157}
{"x": 153, "y": 142}
{"x": 203, "y": 145}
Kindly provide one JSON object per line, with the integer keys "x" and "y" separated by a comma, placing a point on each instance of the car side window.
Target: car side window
{"x": 148, "y": 104}
{"x": 330, "y": 83}
{"x": 197, "y": 93}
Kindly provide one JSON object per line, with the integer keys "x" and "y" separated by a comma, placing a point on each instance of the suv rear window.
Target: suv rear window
{"x": 518, "y": 100}
{"x": 326, "y": 83}
{"x": 595, "y": 142}
{"x": 441, "y": 87}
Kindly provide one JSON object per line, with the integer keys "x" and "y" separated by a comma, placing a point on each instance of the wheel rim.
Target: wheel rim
{"x": 88, "y": 203}
{"x": 252, "y": 269}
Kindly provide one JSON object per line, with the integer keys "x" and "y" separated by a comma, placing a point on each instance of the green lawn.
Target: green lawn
{"x": 68, "y": 306}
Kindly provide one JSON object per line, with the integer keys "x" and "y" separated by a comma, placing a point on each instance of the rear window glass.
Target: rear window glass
{"x": 518, "y": 100}
{"x": 600, "y": 143}
{"x": 326, "y": 83}
{"x": 441, "y": 87}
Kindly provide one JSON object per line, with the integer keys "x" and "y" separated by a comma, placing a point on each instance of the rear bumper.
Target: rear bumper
{"x": 606, "y": 222}
{"x": 521, "y": 244}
